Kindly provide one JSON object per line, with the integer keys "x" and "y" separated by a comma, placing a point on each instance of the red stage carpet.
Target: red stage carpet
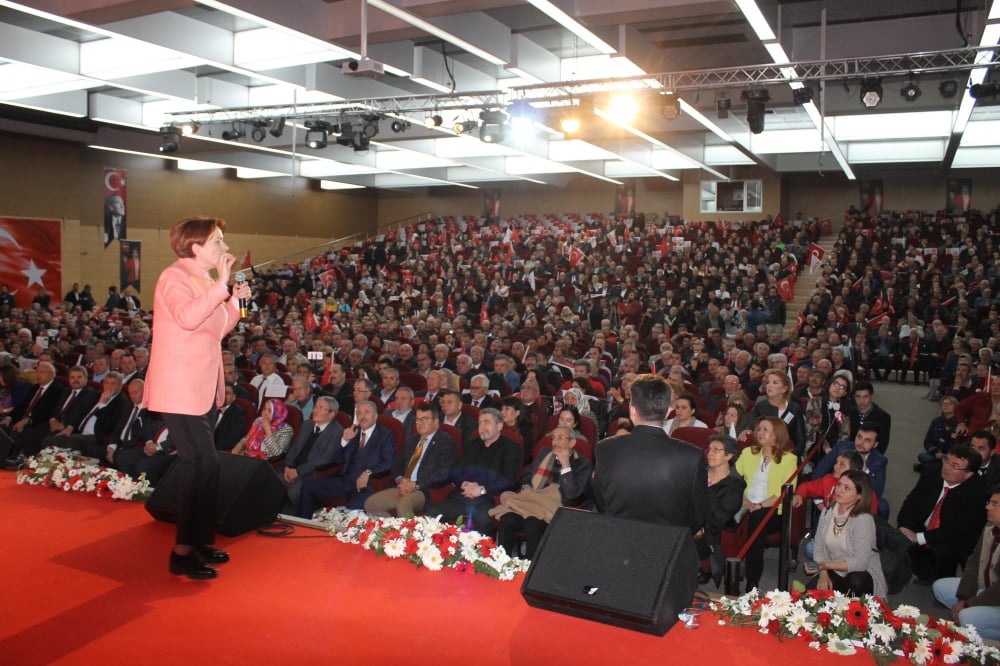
{"x": 88, "y": 584}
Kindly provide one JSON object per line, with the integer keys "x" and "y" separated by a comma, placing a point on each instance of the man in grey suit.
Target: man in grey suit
{"x": 648, "y": 475}
{"x": 318, "y": 444}
{"x": 424, "y": 462}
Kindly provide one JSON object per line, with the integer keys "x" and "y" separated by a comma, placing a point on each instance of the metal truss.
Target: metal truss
{"x": 845, "y": 69}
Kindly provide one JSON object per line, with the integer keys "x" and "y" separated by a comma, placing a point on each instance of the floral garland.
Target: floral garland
{"x": 69, "y": 471}
{"x": 424, "y": 541}
{"x": 842, "y": 624}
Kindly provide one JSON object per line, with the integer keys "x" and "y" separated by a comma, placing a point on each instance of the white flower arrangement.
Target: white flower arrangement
{"x": 70, "y": 472}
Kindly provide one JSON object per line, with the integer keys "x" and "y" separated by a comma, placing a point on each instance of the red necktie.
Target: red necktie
{"x": 361, "y": 441}
{"x": 34, "y": 401}
{"x": 69, "y": 401}
{"x": 935, "y": 521}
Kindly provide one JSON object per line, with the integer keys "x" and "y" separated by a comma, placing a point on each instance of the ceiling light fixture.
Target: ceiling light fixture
{"x": 398, "y": 126}
{"x": 277, "y": 127}
{"x": 722, "y": 106}
{"x": 802, "y": 95}
{"x": 871, "y": 92}
{"x": 492, "y": 129}
{"x": 234, "y": 134}
{"x": 316, "y": 133}
{"x": 948, "y": 88}
{"x": 170, "y": 139}
{"x": 189, "y": 128}
{"x": 259, "y": 131}
{"x": 569, "y": 125}
{"x": 671, "y": 109}
{"x": 465, "y": 126}
{"x": 988, "y": 89}
{"x": 910, "y": 92}
{"x": 430, "y": 122}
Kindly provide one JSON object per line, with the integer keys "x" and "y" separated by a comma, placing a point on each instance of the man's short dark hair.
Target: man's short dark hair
{"x": 987, "y": 435}
{"x": 869, "y": 426}
{"x": 969, "y": 454}
{"x": 429, "y": 408}
{"x": 864, "y": 385}
{"x": 651, "y": 397}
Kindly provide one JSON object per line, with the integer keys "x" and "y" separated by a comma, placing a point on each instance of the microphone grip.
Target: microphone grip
{"x": 241, "y": 278}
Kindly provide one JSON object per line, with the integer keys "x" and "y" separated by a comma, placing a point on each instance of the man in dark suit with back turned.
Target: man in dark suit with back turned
{"x": 648, "y": 475}
{"x": 944, "y": 514}
{"x": 318, "y": 444}
{"x": 424, "y": 463}
{"x": 366, "y": 449}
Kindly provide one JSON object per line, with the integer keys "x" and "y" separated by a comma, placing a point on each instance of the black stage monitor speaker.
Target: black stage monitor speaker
{"x": 250, "y": 495}
{"x": 622, "y": 572}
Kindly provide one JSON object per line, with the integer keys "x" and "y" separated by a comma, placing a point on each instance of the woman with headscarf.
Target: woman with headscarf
{"x": 270, "y": 436}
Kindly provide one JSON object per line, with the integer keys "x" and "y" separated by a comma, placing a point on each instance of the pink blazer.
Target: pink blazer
{"x": 192, "y": 313}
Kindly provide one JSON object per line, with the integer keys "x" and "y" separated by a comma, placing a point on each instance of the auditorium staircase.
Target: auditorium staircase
{"x": 807, "y": 282}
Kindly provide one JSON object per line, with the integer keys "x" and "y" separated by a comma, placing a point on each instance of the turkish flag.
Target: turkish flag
{"x": 310, "y": 322}
{"x": 816, "y": 254}
{"x": 31, "y": 258}
{"x": 484, "y": 315}
{"x": 327, "y": 278}
{"x": 786, "y": 288}
{"x": 246, "y": 261}
{"x": 575, "y": 256}
{"x": 875, "y": 322}
{"x": 877, "y": 307}
{"x": 825, "y": 227}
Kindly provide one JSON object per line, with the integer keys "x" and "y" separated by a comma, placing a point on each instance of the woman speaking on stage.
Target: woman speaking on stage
{"x": 184, "y": 382}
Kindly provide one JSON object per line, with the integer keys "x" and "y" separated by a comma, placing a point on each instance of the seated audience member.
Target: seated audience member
{"x": 317, "y": 445}
{"x": 826, "y": 415}
{"x": 943, "y": 514}
{"x": 269, "y": 436}
{"x": 732, "y": 421}
{"x": 974, "y": 598}
{"x": 140, "y": 444}
{"x": 765, "y": 466}
{"x": 75, "y": 403}
{"x": 845, "y": 555}
{"x": 488, "y": 466}
{"x": 940, "y": 436}
{"x": 97, "y": 428}
{"x": 558, "y": 477}
{"x": 14, "y": 390}
{"x": 232, "y": 424}
{"x": 28, "y": 425}
{"x": 876, "y": 464}
{"x": 776, "y": 400}
{"x": 267, "y": 382}
{"x": 685, "y": 415}
{"x": 424, "y": 463}
{"x": 866, "y": 411}
{"x": 725, "y": 497}
{"x": 402, "y": 410}
{"x": 477, "y": 395}
{"x": 302, "y": 396}
{"x": 984, "y": 443}
{"x": 389, "y": 377}
{"x": 450, "y": 403}
{"x": 821, "y": 489}
{"x": 515, "y": 420}
{"x": 979, "y": 411}
{"x": 366, "y": 449}
{"x": 574, "y": 397}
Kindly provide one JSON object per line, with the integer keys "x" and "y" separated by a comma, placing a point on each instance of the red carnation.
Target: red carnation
{"x": 824, "y": 620}
{"x": 907, "y": 645}
{"x": 857, "y": 616}
{"x": 411, "y": 547}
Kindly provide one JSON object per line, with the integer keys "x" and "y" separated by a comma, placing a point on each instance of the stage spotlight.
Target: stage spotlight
{"x": 465, "y": 126}
{"x": 623, "y": 108}
{"x": 910, "y": 92}
{"x": 259, "y": 131}
{"x": 277, "y": 127}
{"x": 988, "y": 89}
{"x": 756, "y": 99}
{"x": 170, "y": 139}
{"x": 189, "y": 128}
{"x": 871, "y": 92}
{"x": 722, "y": 106}
{"x": 569, "y": 125}
{"x": 234, "y": 134}
{"x": 360, "y": 142}
{"x": 802, "y": 95}
{"x": 316, "y": 133}
{"x": 522, "y": 117}
{"x": 948, "y": 88}
{"x": 370, "y": 128}
{"x": 430, "y": 122}
{"x": 492, "y": 128}
{"x": 671, "y": 108}
{"x": 399, "y": 126}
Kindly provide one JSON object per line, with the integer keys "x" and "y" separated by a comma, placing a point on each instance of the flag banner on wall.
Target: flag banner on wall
{"x": 130, "y": 272}
{"x": 871, "y": 196}
{"x": 491, "y": 204}
{"x": 625, "y": 200}
{"x": 31, "y": 258}
{"x": 115, "y": 201}
{"x": 959, "y": 196}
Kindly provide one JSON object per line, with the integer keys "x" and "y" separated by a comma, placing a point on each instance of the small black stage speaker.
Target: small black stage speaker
{"x": 623, "y": 572}
{"x": 250, "y": 495}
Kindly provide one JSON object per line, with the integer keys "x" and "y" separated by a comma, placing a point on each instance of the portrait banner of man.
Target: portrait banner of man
{"x": 491, "y": 204}
{"x": 959, "y": 196}
{"x": 871, "y": 196}
{"x": 131, "y": 255}
{"x": 625, "y": 200}
{"x": 115, "y": 200}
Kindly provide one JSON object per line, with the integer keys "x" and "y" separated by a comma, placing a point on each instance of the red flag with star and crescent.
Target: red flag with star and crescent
{"x": 31, "y": 258}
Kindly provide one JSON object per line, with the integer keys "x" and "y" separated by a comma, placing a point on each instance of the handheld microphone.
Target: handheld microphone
{"x": 240, "y": 279}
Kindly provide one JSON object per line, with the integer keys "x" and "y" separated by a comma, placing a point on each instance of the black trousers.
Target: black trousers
{"x": 853, "y": 583}
{"x": 755, "y": 554}
{"x": 508, "y": 527}
{"x": 198, "y": 471}
{"x": 475, "y": 511}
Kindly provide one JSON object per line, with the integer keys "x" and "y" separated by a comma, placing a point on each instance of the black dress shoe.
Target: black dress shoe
{"x": 190, "y": 565}
{"x": 211, "y": 555}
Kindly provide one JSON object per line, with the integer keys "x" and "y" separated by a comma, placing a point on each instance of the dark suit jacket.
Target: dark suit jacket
{"x": 648, "y": 475}
{"x": 325, "y": 450}
{"x": 488, "y": 401}
{"x": 879, "y": 417}
{"x": 147, "y": 425}
{"x": 438, "y": 459}
{"x": 230, "y": 428}
{"x": 85, "y": 400}
{"x": 877, "y": 465}
{"x": 467, "y": 427}
{"x": 46, "y": 408}
{"x": 963, "y": 512}
{"x": 376, "y": 456}
{"x": 110, "y": 416}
